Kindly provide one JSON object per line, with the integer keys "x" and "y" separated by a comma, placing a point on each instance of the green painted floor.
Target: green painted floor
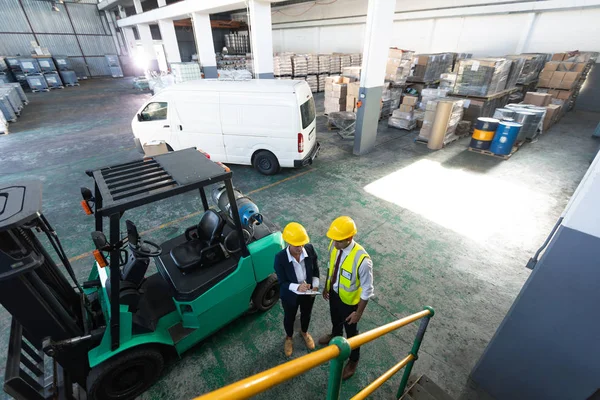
{"x": 450, "y": 229}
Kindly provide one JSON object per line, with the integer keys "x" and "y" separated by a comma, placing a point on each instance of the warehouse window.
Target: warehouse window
{"x": 307, "y": 110}
{"x": 154, "y": 112}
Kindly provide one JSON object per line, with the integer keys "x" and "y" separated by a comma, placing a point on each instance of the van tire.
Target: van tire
{"x": 265, "y": 162}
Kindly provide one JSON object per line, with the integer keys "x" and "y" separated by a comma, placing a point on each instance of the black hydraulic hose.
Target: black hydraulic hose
{"x": 534, "y": 259}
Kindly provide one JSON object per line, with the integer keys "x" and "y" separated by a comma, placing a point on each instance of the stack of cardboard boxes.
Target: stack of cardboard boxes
{"x": 352, "y": 97}
{"x": 403, "y": 117}
{"x": 398, "y": 66}
{"x": 336, "y": 91}
{"x": 482, "y": 77}
{"x": 561, "y": 75}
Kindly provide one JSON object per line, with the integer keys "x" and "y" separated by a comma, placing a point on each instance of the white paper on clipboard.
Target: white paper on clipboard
{"x": 308, "y": 292}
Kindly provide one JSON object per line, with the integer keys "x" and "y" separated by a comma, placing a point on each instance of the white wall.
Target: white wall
{"x": 444, "y": 25}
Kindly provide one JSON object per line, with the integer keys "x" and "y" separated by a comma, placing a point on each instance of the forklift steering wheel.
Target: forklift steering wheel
{"x": 146, "y": 249}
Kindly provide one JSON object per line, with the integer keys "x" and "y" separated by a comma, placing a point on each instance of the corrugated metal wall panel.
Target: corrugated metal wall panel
{"x": 44, "y": 20}
{"x": 11, "y": 45}
{"x": 98, "y": 66}
{"x": 64, "y": 45}
{"x": 12, "y": 18}
{"x": 97, "y": 45}
{"x": 86, "y": 19}
{"x": 79, "y": 67}
{"x": 88, "y": 2}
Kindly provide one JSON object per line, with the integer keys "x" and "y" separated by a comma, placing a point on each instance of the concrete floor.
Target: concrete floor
{"x": 450, "y": 229}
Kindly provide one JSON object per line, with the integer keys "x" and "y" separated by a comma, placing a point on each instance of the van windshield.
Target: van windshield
{"x": 307, "y": 110}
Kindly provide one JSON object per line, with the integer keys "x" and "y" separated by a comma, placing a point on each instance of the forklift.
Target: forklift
{"x": 108, "y": 338}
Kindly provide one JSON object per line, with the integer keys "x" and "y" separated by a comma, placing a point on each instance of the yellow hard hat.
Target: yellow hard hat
{"x": 342, "y": 228}
{"x": 295, "y": 234}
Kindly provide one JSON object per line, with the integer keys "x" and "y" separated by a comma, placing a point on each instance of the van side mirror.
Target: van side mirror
{"x": 140, "y": 118}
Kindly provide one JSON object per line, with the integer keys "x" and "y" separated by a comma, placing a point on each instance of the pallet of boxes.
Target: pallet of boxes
{"x": 404, "y": 117}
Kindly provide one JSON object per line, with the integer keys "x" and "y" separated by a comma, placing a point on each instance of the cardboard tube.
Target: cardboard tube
{"x": 440, "y": 125}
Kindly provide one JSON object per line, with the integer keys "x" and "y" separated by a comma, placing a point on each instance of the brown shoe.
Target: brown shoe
{"x": 310, "y": 343}
{"x": 349, "y": 369}
{"x": 325, "y": 339}
{"x": 288, "y": 346}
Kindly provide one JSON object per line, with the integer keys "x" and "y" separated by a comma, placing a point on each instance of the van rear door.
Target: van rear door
{"x": 198, "y": 122}
{"x": 308, "y": 122}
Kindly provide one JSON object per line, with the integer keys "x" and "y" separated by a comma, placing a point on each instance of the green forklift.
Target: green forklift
{"x": 111, "y": 335}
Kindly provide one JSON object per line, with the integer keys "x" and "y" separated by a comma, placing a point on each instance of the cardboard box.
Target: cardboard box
{"x": 353, "y": 89}
{"x": 538, "y": 99}
{"x": 337, "y": 90}
{"x": 395, "y": 53}
{"x": 551, "y": 66}
{"x": 410, "y": 100}
{"x": 346, "y": 79}
{"x": 557, "y": 78}
{"x": 406, "y": 108}
{"x": 350, "y": 103}
{"x": 546, "y": 75}
{"x": 564, "y": 94}
{"x": 552, "y": 115}
{"x": 559, "y": 56}
{"x": 579, "y": 67}
{"x": 155, "y": 148}
{"x": 333, "y": 79}
{"x": 543, "y": 82}
{"x": 565, "y": 66}
{"x": 335, "y": 100}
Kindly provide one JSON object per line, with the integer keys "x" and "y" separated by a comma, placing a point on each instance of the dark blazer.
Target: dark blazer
{"x": 286, "y": 274}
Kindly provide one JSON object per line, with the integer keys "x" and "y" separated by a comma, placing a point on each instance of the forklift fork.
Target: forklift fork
{"x": 26, "y": 376}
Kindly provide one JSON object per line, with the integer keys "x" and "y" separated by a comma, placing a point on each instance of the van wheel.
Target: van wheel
{"x": 266, "y": 163}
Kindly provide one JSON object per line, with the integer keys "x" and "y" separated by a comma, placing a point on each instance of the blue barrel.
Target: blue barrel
{"x": 487, "y": 124}
{"x": 505, "y": 138}
{"x": 480, "y": 144}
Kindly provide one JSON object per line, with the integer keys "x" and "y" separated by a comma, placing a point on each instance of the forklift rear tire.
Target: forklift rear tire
{"x": 266, "y": 293}
{"x": 125, "y": 376}
{"x": 266, "y": 163}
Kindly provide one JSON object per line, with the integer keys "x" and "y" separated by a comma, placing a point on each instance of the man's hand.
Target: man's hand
{"x": 354, "y": 317}
{"x": 303, "y": 287}
{"x": 326, "y": 294}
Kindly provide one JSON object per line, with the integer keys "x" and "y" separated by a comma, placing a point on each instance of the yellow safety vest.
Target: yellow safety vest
{"x": 349, "y": 287}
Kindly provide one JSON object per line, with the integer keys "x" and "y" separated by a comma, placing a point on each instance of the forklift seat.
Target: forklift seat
{"x": 203, "y": 243}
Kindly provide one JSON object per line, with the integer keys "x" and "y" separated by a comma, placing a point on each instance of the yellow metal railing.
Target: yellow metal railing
{"x": 337, "y": 352}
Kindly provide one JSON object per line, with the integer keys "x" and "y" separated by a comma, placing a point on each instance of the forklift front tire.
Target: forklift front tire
{"x": 266, "y": 293}
{"x": 126, "y": 375}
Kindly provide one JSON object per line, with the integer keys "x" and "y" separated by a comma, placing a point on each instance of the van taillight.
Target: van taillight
{"x": 300, "y": 143}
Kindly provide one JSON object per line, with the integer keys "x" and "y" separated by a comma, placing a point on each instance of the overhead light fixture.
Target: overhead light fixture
{"x": 60, "y": 1}
{"x": 55, "y": 7}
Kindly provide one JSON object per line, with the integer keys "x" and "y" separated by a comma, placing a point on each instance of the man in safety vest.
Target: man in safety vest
{"x": 349, "y": 285}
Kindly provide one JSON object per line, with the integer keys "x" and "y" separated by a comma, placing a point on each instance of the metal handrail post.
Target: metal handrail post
{"x": 414, "y": 351}
{"x": 336, "y": 367}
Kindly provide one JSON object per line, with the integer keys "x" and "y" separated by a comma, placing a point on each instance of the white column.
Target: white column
{"x": 205, "y": 44}
{"x": 169, "y": 39}
{"x": 261, "y": 39}
{"x": 138, "y": 6}
{"x": 128, "y": 35}
{"x": 380, "y": 19}
{"x": 148, "y": 46}
{"x": 526, "y": 34}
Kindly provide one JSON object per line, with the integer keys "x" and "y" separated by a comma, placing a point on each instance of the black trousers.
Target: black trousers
{"x": 305, "y": 303}
{"x": 339, "y": 312}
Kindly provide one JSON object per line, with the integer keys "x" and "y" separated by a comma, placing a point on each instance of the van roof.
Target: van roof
{"x": 251, "y": 85}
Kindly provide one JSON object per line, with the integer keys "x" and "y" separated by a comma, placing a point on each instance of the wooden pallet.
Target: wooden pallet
{"x": 516, "y": 147}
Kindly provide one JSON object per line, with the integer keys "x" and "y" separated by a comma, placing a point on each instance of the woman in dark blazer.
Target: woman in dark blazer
{"x": 297, "y": 270}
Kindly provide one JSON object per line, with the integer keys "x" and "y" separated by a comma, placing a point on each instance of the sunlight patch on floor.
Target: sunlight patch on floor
{"x": 475, "y": 205}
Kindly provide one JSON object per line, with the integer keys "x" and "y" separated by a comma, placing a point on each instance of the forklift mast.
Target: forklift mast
{"x": 43, "y": 303}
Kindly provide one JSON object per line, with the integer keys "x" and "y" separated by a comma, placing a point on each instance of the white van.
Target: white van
{"x": 266, "y": 123}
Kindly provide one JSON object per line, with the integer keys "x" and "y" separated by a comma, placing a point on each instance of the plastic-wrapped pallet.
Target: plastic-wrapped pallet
{"x": 428, "y": 95}
{"x": 286, "y": 77}
{"x": 356, "y": 60}
{"x": 402, "y": 120}
{"x": 6, "y": 108}
{"x": 282, "y": 65}
{"x": 516, "y": 68}
{"x": 398, "y": 66}
{"x": 431, "y": 114}
{"x": 324, "y": 64}
{"x": 3, "y": 124}
{"x": 234, "y": 75}
{"x": 299, "y": 66}
{"x": 345, "y": 61}
{"x": 336, "y": 64}
{"x": 447, "y": 81}
{"x": 482, "y": 76}
{"x": 396, "y": 96}
{"x": 186, "y": 71}
{"x": 312, "y": 64}
{"x": 313, "y": 83}
{"x": 17, "y": 86}
{"x": 13, "y": 98}
{"x": 321, "y": 82}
